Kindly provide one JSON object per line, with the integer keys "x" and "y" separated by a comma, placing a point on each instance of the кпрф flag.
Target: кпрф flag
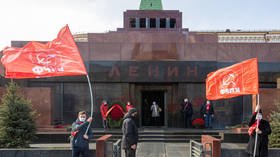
{"x": 238, "y": 79}
{"x": 59, "y": 57}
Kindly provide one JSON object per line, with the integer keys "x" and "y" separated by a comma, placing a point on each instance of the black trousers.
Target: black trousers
{"x": 77, "y": 151}
{"x": 105, "y": 123}
{"x": 155, "y": 121}
{"x": 188, "y": 121}
{"x": 130, "y": 152}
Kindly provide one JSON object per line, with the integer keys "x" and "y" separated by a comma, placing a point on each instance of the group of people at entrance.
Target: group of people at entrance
{"x": 129, "y": 128}
{"x": 155, "y": 111}
{"x": 80, "y": 134}
{"x": 104, "y": 110}
{"x": 206, "y": 113}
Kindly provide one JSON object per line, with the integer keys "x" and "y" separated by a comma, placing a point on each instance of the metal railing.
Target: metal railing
{"x": 113, "y": 149}
{"x": 197, "y": 150}
{"x": 117, "y": 150}
{"x": 207, "y": 152}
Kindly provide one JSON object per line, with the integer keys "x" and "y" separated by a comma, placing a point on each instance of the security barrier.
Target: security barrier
{"x": 117, "y": 148}
{"x": 197, "y": 149}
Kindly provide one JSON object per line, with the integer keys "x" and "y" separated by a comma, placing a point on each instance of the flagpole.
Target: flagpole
{"x": 256, "y": 139}
{"x": 91, "y": 102}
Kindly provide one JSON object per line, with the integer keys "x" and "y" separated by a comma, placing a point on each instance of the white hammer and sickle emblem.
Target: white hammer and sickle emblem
{"x": 229, "y": 79}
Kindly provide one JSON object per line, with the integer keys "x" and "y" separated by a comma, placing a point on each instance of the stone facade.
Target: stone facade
{"x": 41, "y": 99}
{"x": 173, "y": 62}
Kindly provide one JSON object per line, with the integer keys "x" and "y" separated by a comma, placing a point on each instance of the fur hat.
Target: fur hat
{"x": 131, "y": 111}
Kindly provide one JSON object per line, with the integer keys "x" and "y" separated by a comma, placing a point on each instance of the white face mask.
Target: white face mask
{"x": 186, "y": 100}
{"x": 82, "y": 119}
{"x": 259, "y": 116}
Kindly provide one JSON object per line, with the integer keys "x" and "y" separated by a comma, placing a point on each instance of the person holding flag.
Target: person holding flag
{"x": 80, "y": 136}
{"x": 237, "y": 80}
{"x": 258, "y": 125}
{"x": 59, "y": 57}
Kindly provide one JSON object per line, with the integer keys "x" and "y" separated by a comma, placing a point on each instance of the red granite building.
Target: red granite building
{"x": 153, "y": 58}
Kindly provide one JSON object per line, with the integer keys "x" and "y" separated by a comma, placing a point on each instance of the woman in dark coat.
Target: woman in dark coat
{"x": 263, "y": 131}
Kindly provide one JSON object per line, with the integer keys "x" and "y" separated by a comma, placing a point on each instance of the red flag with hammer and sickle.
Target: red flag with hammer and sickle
{"x": 59, "y": 57}
{"x": 238, "y": 79}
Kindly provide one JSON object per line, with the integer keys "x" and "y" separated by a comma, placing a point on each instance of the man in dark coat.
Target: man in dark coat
{"x": 130, "y": 133}
{"x": 188, "y": 112}
{"x": 263, "y": 131}
{"x": 79, "y": 138}
{"x": 207, "y": 111}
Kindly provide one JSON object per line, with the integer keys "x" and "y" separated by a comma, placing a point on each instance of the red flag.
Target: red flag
{"x": 238, "y": 79}
{"x": 59, "y": 57}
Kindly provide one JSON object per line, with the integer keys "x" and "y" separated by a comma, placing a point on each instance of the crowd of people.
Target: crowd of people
{"x": 206, "y": 113}
{"x": 80, "y": 133}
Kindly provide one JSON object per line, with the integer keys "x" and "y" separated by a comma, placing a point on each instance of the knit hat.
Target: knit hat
{"x": 131, "y": 111}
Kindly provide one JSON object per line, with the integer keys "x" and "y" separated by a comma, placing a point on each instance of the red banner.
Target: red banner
{"x": 59, "y": 57}
{"x": 238, "y": 79}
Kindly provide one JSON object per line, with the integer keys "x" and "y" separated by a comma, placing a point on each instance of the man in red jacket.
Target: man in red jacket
{"x": 103, "y": 111}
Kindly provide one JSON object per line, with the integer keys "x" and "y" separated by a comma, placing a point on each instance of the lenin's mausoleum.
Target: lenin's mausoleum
{"x": 153, "y": 58}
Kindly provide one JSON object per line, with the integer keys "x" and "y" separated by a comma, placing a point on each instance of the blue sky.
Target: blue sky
{"x": 42, "y": 19}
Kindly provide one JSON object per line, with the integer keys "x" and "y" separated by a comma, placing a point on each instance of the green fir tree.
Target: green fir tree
{"x": 274, "y": 138}
{"x": 17, "y": 119}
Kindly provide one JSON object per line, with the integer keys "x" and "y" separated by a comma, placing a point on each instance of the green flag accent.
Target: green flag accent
{"x": 150, "y": 5}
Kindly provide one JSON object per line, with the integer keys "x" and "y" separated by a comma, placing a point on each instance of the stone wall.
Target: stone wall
{"x": 269, "y": 98}
{"x": 41, "y": 99}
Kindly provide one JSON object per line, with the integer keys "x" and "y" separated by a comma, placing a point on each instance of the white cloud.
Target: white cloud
{"x": 41, "y": 20}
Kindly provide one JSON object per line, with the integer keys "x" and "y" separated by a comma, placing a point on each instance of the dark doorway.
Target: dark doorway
{"x": 147, "y": 99}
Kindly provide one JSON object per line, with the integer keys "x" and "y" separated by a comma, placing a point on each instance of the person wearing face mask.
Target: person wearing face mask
{"x": 155, "y": 113}
{"x": 130, "y": 133}
{"x": 79, "y": 137}
{"x": 262, "y": 127}
{"x": 207, "y": 111}
{"x": 188, "y": 111}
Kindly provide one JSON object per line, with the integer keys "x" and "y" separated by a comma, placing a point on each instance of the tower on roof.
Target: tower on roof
{"x": 151, "y": 17}
{"x": 150, "y": 5}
